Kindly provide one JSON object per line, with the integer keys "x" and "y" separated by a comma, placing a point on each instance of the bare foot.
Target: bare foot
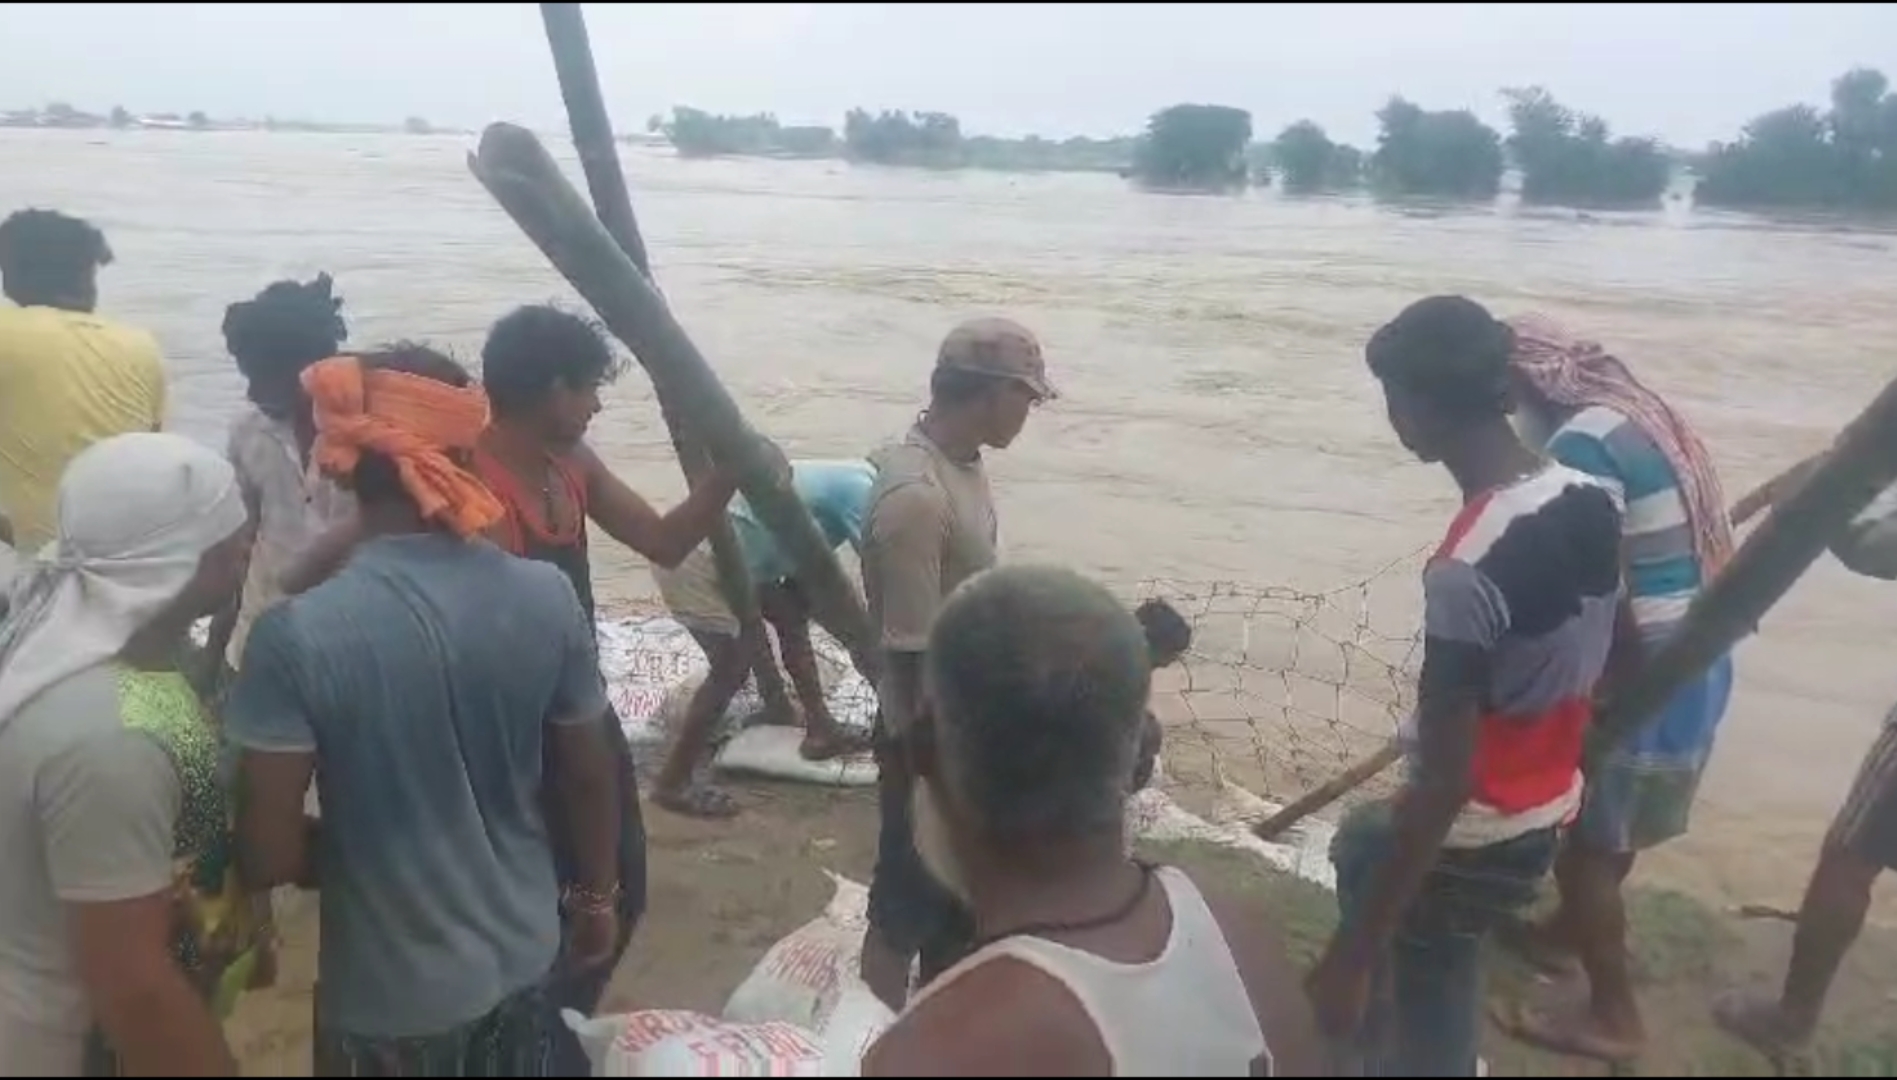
{"x": 1571, "y": 1028}
{"x": 833, "y": 744}
{"x": 698, "y": 800}
{"x": 1537, "y": 945}
{"x": 1757, "y": 1020}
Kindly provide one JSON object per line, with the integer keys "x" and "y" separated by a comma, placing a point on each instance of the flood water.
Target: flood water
{"x": 1217, "y": 423}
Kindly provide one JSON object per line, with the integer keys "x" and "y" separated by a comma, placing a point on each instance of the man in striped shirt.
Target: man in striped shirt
{"x": 1519, "y": 604}
{"x": 1862, "y": 843}
{"x": 1595, "y": 417}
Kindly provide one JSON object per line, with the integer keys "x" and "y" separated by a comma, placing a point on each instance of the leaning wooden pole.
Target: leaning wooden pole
{"x": 1862, "y": 463}
{"x": 612, "y": 201}
{"x": 517, "y": 170}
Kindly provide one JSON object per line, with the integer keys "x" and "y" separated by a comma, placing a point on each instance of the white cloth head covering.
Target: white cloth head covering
{"x": 136, "y": 513}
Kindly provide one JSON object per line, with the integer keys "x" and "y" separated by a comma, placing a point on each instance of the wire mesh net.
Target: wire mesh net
{"x": 1283, "y": 689}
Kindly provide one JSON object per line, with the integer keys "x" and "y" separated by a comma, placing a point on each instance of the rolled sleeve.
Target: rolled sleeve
{"x": 902, "y": 566}
{"x": 268, "y": 709}
{"x": 109, "y": 809}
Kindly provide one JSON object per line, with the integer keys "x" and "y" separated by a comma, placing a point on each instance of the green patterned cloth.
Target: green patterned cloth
{"x": 217, "y": 934}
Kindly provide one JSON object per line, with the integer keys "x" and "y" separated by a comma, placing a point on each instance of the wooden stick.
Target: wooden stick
{"x": 1322, "y": 796}
{"x": 592, "y": 129}
{"x": 612, "y": 201}
{"x": 519, "y": 173}
{"x": 1862, "y": 463}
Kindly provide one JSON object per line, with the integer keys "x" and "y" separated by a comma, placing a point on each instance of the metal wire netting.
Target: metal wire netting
{"x": 1285, "y": 688}
{"x": 1282, "y": 689}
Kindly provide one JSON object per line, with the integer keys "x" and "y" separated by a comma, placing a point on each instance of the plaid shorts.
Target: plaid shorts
{"x": 1866, "y": 824}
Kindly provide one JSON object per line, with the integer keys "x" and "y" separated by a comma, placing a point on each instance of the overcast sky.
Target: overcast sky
{"x": 1688, "y": 73}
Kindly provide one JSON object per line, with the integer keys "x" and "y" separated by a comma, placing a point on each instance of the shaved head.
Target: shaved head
{"x": 1037, "y": 681}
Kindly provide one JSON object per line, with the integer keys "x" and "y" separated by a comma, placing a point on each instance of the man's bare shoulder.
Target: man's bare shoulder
{"x": 1004, "y": 1018}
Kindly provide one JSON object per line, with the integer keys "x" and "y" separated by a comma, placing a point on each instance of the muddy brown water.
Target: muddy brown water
{"x": 1217, "y": 424}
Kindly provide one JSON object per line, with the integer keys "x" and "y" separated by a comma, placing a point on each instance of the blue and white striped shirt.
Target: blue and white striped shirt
{"x": 1663, "y": 571}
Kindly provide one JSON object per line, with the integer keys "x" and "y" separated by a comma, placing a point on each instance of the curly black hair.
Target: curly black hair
{"x": 47, "y": 257}
{"x": 284, "y": 329}
{"x": 534, "y": 348}
{"x": 1168, "y": 634}
{"x": 1448, "y": 351}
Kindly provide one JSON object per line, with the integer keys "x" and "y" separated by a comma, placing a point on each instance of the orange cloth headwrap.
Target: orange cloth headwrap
{"x": 412, "y": 421}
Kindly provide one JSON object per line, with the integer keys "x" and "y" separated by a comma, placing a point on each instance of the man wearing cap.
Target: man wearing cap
{"x": 931, "y": 526}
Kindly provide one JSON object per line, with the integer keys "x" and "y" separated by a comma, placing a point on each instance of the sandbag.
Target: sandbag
{"x": 652, "y": 665}
{"x": 853, "y": 1025}
{"x": 664, "y": 1042}
{"x": 805, "y": 975}
{"x": 776, "y": 752}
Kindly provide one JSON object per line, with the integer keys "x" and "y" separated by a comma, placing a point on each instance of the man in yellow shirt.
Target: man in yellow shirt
{"x": 67, "y": 377}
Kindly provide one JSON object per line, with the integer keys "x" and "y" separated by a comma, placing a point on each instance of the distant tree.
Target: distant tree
{"x": 1307, "y": 160}
{"x": 1348, "y": 165}
{"x": 1196, "y": 147}
{"x": 894, "y": 137}
{"x": 120, "y": 118}
{"x": 1261, "y": 160}
{"x": 696, "y": 133}
{"x": 1844, "y": 158}
{"x": 1037, "y": 153}
{"x": 1449, "y": 155}
{"x": 655, "y": 124}
{"x": 415, "y": 125}
{"x": 813, "y": 140}
{"x": 198, "y": 120}
{"x": 1570, "y": 158}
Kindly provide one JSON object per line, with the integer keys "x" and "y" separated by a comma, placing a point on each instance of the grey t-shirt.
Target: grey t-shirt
{"x": 88, "y": 815}
{"x": 422, "y": 676}
{"x": 931, "y": 526}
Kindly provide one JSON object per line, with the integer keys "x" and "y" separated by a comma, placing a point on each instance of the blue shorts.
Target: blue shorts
{"x": 1641, "y": 795}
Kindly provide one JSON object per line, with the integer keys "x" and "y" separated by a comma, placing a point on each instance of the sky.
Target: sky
{"x": 1685, "y": 73}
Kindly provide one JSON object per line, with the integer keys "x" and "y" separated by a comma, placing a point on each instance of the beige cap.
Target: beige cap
{"x": 998, "y": 347}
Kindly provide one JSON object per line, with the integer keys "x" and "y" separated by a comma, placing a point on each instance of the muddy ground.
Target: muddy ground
{"x": 722, "y": 893}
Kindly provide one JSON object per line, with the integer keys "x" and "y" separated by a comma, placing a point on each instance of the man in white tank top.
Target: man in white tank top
{"x": 1086, "y": 963}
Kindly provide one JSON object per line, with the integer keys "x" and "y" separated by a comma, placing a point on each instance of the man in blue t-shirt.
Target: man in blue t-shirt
{"x": 445, "y": 699}
{"x": 837, "y": 496}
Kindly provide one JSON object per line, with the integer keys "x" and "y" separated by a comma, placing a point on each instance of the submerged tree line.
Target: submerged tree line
{"x": 1843, "y": 157}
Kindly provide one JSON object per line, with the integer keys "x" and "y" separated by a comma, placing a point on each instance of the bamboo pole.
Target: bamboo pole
{"x": 1862, "y": 463}
{"x": 519, "y": 173}
{"x": 612, "y": 202}
{"x": 1835, "y": 489}
{"x": 1322, "y": 796}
